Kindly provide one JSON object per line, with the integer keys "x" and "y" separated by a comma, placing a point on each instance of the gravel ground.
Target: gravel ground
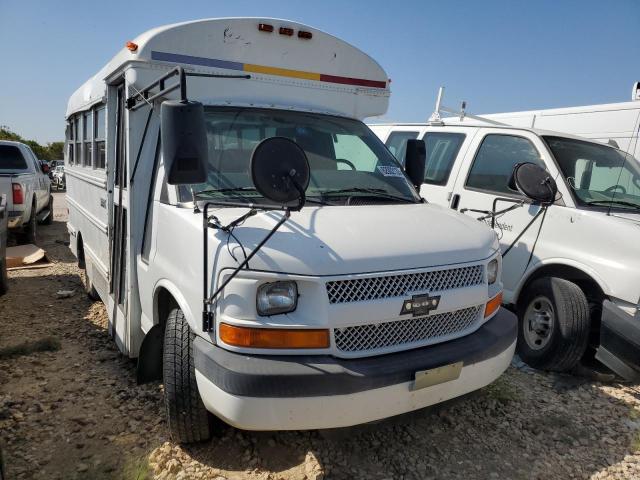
{"x": 77, "y": 413}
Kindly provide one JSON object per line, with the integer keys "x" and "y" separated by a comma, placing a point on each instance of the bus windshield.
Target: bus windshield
{"x": 599, "y": 176}
{"x": 346, "y": 159}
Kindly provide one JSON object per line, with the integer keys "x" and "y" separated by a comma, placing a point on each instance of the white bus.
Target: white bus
{"x": 258, "y": 248}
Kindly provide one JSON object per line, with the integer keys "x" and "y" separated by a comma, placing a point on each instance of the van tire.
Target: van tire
{"x": 568, "y": 336}
{"x": 49, "y": 219}
{"x": 30, "y": 228}
{"x": 187, "y": 417}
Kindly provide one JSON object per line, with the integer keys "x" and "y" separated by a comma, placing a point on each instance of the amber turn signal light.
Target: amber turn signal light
{"x": 132, "y": 47}
{"x": 493, "y": 305}
{"x": 273, "y": 337}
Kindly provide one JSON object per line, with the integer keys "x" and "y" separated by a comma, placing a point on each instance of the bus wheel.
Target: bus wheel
{"x": 554, "y": 324}
{"x": 187, "y": 417}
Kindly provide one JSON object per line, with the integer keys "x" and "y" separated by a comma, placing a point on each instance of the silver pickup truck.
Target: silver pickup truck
{"x": 27, "y": 187}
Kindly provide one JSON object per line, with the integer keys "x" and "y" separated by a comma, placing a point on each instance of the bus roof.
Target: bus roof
{"x": 293, "y": 69}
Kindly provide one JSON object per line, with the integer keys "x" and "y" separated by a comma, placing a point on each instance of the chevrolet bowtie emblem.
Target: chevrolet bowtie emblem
{"x": 420, "y": 305}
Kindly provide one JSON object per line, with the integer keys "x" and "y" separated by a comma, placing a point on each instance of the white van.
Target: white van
{"x": 571, "y": 268}
{"x": 256, "y": 244}
{"x": 615, "y": 123}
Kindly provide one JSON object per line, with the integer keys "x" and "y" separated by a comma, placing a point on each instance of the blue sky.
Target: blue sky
{"x": 498, "y": 55}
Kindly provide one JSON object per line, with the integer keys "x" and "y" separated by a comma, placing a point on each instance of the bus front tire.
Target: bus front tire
{"x": 187, "y": 417}
{"x": 554, "y": 324}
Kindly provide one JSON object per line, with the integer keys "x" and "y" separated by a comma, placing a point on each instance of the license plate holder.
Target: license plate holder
{"x": 436, "y": 376}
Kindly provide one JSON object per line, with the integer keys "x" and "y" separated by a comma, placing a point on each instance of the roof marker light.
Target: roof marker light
{"x": 286, "y": 31}
{"x": 265, "y": 27}
{"x": 305, "y": 35}
{"x": 132, "y": 47}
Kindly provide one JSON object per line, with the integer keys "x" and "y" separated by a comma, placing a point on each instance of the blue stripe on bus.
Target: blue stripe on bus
{"x": 191, "y": 60}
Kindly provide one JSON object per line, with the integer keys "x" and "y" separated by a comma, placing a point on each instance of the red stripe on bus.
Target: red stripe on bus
{"x": 352, "y": 81}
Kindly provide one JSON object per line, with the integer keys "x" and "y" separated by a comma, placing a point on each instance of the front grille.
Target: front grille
{"x": 364, "y": 338}
{"x": 372, "y": 288}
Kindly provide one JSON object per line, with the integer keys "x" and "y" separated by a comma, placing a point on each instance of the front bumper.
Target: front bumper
{"x": 262, "y": 392}
{"x": 619, "y": 347}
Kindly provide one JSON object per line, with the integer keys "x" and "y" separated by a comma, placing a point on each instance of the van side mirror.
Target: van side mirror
{"x": 184, "y": 142}
{"x": 44, "y": 167}
{"x": 534, "y": 182}
{"x": 280, "y": 170}
{"x": 415, "y": 161}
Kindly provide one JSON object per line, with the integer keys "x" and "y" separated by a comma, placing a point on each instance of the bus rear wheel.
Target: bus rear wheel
{"x": 187, "y": 417}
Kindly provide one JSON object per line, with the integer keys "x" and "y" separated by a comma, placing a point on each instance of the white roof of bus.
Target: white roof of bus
{"x": 234, "y": 45}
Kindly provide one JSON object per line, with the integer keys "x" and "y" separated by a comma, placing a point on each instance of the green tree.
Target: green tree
{"x": 51, "y": 151}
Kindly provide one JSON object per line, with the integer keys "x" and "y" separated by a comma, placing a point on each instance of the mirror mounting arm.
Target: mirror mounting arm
{"x": 207, "y": 314}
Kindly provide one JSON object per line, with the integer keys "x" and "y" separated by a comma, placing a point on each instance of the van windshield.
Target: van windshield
{"x": 600, "y": 176}
{"x": 346, "y": 159}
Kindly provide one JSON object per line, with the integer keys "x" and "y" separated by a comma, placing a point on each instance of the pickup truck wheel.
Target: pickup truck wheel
{"x": 30, "y": 228}
{"x": 4, "y": 280}
{"x": 49, "y": 219}
{"x": 554, "y": 324}
{"x": 187, "y": 417}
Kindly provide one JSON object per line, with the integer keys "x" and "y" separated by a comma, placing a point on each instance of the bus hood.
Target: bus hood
{"x": 341, "y": 240}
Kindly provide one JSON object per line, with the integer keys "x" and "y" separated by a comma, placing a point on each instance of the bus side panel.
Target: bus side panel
{"x": 87, "y": 203}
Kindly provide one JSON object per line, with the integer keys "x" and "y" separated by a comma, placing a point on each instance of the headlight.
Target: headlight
{"x": 492, "y": 271}
{"x": 277, "y": 297}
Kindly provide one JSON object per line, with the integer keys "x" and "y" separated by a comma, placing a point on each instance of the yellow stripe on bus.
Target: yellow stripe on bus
{"x": 282, "y": 72}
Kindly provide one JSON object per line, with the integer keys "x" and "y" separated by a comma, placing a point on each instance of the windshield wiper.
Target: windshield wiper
{"x": 225, "y": 190}
{"x": 371, "y": 191}
{"x": 615, "y": 202}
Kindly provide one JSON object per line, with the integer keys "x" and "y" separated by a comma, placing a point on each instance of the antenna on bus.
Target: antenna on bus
{"x": 436, "y": 118}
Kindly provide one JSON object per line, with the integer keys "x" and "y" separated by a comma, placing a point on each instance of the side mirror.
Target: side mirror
{"x": 280, "y": 170}
{"x": 533, "y": 182}
{"x": 415, "y": 161}
{"x": 184, "y": 142}
{"x": 44, "y": 167}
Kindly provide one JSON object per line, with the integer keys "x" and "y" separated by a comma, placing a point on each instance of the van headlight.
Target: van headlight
{"x": 277, "y": 297}
{"x": 492, "y": 271}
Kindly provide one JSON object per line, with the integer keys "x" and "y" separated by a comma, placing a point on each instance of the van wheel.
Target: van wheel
{"x": 49, "y": 219}
{"x": 187, "y": 417}
{"x": 30, "y": 228}
{"x": 554, "y": 324}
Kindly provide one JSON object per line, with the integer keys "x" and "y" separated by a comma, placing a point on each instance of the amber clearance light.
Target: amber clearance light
{"x": 273, "y": 337}
{"x": 493, "y": 305}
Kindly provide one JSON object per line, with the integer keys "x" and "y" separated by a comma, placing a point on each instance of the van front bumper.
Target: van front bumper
{"x": 268, "y": 392}
{"x": 619, "y": 347}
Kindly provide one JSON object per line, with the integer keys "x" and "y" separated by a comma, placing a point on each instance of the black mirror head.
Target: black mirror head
{"x": 534, "y": 182}
{"x": 415, "y": 161}
{"x": 184, "y": 142}
{"x": 280, "y": 170}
